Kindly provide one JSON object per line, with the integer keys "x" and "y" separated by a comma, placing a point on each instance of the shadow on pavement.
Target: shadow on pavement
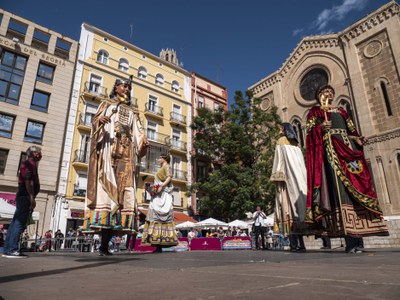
{"x": 102, "y": 261}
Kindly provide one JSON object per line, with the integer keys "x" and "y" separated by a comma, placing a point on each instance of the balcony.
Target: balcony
{"x": 153, "y": 110}
{"x": 79, "y": 192}
{"x": 62, "y": 53}
{"x": 95, "y": 90}
{"x": 11, "y": 34}
{"x": 134, "y": 102}
{"x": 179, "y": 175}
{"x": 177, "y": 145}
{"x": 85, "y": 121}
{"x": 177, "y": 119}
{"x": 149, "y": 168}
{"x": 81, "y": 158}
{"x": 156, "y": 137}
{"x": 38, "y": 44}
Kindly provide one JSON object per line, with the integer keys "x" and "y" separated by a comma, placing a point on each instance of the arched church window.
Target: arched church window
{"x": 347, "y": 107}
{"x": 299, "y": 132}
{"x": 386, "y": 98}
{"x": 311, "y": 82}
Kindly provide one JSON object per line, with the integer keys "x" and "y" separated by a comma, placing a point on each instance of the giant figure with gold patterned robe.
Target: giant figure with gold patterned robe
{"x": 340, "y": 197}
{"x": 117, "y": 145}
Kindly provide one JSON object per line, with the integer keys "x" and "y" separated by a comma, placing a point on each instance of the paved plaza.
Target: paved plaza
{"x": 374, "y": 274}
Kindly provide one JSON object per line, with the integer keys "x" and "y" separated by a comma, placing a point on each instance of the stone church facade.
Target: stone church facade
{"x": 362, "y": 63}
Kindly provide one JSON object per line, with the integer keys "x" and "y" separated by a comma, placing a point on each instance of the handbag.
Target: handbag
{"x": 30, "y": 220}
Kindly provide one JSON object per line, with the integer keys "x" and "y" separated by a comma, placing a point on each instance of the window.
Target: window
{"x": 40, "y": 40}
{"x": 311, "y": 82}
{"x": 176, "y": 138}
{"x": 152, "y": 103}
{"x": 176, "y": 196}
{"x": 217, "y": 107}
{"x": 201, "y": 101}
{"x": 34, "y": 132}
{"x": 3, "y": 160}
{"x": 80, "y": 185}
{"x": 40, "y": 101}
{"x": 175, "y": 86}
{"x": 299, "y": 132}
{"x": 84, "y": 148}
{"x": 201, "y": 171}
{"x": 62, "y": 48}
{"x": 22, "y": 158}
{"x": 123, "y": 65}
{"x": 176, "y": 165}
{"x": 102, "y": 57}
{"x": 398, "y": 162}
{"x": 386, "y": 98}
{"x": 159, "y": 80}
{"x": 6, "y": 125}
{"x": 16, "y": 30}
{"x": 89, "y": 113}
{"x": 94, "y": 83}
{"x": 347, "y": 107}
{"x": 45, "y": 73}
{"x": 12, "y": 72}
{"x": 152, "y": 131}
{"x": 142, "y": 73}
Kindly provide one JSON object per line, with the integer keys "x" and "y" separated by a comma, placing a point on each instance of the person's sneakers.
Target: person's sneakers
{"x": 14, "y": 254}
{"x": 354, "y": 251}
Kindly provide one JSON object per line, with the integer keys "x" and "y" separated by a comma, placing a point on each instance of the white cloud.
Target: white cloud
{"x": 297, "y": 31}
{"x": 337, "y": 13}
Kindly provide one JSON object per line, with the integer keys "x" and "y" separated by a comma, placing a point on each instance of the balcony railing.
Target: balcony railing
{"x": 81, "y": 156}
{"x": 38, "y": 44}
{"x": 61, "y": 53}
{"x": 177, "y": 118}
{"x": 153, "y": 109}
{"x": 95, "y": 89}
{"x": 150, "y": 168}
{"x": 156, "y": 137}
{"x": 11, "y": 34}
{"x": 179, "y": 174}
{"x": 80, "y": 192}
{"x": 85, "y": 119}
{"x": 177, "y": 145}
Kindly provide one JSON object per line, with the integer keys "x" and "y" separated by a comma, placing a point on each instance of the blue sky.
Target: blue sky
{"x": 233, "y": 42}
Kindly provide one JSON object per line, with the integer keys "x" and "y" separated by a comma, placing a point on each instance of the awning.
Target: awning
{"x": 179, "y": 217}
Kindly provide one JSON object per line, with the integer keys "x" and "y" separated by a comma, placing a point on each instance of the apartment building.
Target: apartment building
{"x": 209, "y": 94}
{"x": 36, "y": 74}
{"x": 161, "y": 93}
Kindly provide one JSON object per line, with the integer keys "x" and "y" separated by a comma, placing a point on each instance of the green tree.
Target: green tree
{"x": 239, "y": 146}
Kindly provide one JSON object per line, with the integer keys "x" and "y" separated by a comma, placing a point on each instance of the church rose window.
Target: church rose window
{"x": 311, "y": 82}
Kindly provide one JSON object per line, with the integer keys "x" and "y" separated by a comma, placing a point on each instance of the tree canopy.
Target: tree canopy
{"x": 239, "y": 146}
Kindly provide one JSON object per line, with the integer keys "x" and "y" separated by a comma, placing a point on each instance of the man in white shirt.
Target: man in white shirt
{"x": 258, "y": 217}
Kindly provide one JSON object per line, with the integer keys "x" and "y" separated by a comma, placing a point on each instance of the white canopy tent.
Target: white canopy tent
{"x": 7, "y": 212}
{"x": 239, "y": 224}
{"x": 211, "y": 222}
{"x": 185, "y": 225}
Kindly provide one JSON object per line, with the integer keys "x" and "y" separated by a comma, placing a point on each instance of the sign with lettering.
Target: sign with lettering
{"x": 33, "y": 52}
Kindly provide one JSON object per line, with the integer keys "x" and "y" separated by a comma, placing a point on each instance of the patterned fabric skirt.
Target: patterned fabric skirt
{"x": 98, "y": 219}
{"x": 162, "y": 234}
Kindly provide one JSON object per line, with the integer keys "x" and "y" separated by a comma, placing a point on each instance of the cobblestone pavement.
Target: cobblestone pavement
{"x": 374, "y": 274}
